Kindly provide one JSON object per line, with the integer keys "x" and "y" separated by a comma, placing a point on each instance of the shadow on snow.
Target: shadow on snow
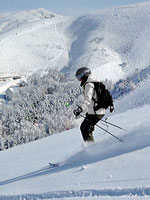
{"x": 100, "y": 151}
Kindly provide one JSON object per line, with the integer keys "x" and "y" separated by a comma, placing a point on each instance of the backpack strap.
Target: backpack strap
{"x": 95, "y": 101}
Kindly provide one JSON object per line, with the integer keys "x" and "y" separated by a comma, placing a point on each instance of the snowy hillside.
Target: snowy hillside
{"x": 116, "y": 40}
{"x": 107, "y": 169}
{"x": 115, "y": 44}
{"x": 30, "y": 41}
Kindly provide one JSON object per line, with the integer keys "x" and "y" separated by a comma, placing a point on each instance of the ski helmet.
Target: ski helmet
{"x": 81, "y": 72}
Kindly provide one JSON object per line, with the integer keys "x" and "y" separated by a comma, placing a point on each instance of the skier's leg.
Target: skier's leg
{"x": 86, "y": 129}
{"x": 87, "y": 126}
{"x": 92, "y": 120}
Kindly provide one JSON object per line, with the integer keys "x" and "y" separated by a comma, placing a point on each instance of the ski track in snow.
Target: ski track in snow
{"x": 61, "y": 37}
{"x": 126, "y": 192}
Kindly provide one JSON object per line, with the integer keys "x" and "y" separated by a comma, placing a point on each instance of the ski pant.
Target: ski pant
{"x": 88, "y": 125}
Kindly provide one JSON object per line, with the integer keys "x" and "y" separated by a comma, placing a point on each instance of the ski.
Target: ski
{"x": 54, "y": 164}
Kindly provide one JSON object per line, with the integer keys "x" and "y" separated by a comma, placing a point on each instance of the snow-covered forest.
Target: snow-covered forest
{"x": 41, "y": 108}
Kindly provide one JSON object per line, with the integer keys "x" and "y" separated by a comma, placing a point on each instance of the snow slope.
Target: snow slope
{"x": 106, "y": 168}
{"x": 119, "y": 36}
{"x": 30, "y": 41}
{"x": 115, "y": 44}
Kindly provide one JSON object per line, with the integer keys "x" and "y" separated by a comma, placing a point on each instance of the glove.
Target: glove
{"x": 111, "y": 108}
{"x": 77, "y": 111}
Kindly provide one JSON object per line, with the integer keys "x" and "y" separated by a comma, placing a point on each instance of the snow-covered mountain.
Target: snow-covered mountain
{"x": 114, "y": 40}
{"x": 30, "y": 41}
{"x": 115, "y": 44}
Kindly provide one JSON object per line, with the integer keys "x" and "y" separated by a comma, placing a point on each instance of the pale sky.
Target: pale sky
{"x": 64, "y": 7}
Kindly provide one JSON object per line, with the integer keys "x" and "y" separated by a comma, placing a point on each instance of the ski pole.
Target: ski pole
{"x": 120, "y": 140}
{"x": 113, "y": 125}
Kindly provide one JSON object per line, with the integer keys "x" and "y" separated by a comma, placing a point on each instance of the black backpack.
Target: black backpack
{"x": 104, "y": 97}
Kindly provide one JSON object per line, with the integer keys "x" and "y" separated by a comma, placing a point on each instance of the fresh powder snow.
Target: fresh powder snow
{"x": 114, "y": 43}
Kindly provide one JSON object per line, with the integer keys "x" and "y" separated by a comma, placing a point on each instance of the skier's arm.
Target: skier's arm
{"x": 88, "y": 94}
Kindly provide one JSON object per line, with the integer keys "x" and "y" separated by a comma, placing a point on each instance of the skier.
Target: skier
{"x": 86, "y": 78}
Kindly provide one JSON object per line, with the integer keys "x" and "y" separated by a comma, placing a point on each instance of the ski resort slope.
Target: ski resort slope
{"x": 31, "y": 41}
{"x": 118, "y": 36}
{"x": 115, "y": 44}
{"x": 107, "y": 169}
{"x": 116, "y": 40}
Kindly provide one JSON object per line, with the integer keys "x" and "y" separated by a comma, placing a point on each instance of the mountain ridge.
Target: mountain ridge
{"x": 112, "y": 35}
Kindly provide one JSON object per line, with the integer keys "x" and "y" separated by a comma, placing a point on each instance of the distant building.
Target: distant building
{"x": 22, "y": 84}
{"x": 9, "y": 93}
{"x": 4, "y": 78}
{"x": 16, "y": 77}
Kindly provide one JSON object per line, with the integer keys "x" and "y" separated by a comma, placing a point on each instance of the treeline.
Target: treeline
{"x": 42, "y": 108}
